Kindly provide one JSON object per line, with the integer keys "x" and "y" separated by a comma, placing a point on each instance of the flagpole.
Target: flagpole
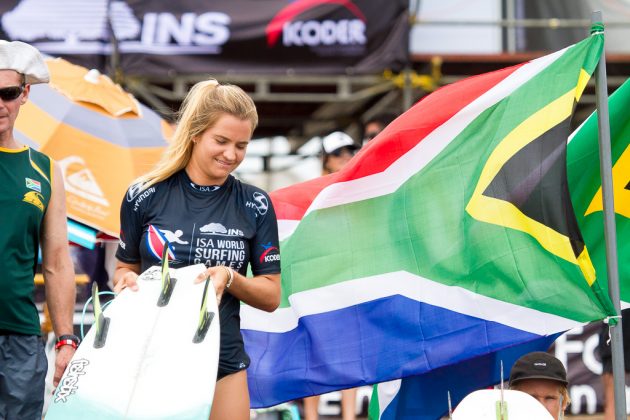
{"x": 610, "y": 232}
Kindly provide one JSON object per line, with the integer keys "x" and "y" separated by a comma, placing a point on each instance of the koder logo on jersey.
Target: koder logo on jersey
{"x": 326, "y": 32}
{"x": 271, "y": 253}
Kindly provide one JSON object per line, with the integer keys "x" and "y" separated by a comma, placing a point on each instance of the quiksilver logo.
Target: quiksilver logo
{"x": 68, "y": 384}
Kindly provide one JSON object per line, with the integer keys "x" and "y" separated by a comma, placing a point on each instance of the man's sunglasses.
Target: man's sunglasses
{"x": 11, "y": 93}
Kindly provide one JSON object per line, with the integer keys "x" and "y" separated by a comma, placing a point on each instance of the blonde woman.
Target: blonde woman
{"x": 209, "y": 217}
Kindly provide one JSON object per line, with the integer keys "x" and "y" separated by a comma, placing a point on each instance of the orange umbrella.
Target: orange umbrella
{"x": 91, "y": 88}
{"x": 99, "y": 134}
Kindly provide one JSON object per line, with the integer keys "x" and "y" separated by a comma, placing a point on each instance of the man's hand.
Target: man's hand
{"x": 64, "y": 354}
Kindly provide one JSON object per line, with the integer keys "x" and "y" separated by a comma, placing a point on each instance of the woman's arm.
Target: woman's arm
{"x": 261, "y": 292}
{"x": 126, "y": 275}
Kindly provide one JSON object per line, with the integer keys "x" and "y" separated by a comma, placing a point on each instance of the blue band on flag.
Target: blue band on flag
{"x": 351, "y": 346}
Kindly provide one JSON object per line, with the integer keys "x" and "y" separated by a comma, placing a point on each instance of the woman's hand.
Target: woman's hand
{"x": 220, "y": 275}
{"x": 126, "y": 275}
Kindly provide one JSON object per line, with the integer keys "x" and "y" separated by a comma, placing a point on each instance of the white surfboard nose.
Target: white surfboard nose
{"x": 482, "y": 405}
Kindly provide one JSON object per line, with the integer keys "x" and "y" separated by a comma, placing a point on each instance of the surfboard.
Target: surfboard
{"x": 151, "y": 354}
{"x": 483, "y": 405}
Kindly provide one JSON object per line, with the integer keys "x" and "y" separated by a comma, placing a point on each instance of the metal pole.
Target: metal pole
{"x": 115, "y": 73}
{"x": 511, "y": 30}
{"x": 407, "y": 94}
{"x": 610, "y": 231}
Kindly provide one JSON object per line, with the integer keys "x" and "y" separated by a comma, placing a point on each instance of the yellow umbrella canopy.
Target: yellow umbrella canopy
{"x": 99, "y": 134}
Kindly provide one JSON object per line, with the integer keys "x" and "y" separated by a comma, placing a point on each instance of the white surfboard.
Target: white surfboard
{"x": 482, "y": 405}
{"x": 149, "y": 366}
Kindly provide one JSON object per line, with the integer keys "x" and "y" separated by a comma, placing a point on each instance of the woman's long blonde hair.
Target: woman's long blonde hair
{"x": 205, "y": 103}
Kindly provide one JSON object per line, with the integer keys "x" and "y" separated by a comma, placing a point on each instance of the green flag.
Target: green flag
{"x": 586, "y": 187}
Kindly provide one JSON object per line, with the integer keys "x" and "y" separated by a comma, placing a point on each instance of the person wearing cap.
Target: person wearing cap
{"x": 544, "y": 377}
{"x": 338, "y": 149}
{"x": 33, "y": 216}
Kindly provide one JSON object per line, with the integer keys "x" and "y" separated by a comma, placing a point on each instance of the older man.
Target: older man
{"x": 32, "y": 215}
{"x": 542, "y": 376}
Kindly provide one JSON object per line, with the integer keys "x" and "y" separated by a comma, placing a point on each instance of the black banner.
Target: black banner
{"x": 166, "y": 37}
{"x": 578, "y": 351}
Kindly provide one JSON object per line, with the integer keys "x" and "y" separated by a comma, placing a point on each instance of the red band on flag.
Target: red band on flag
{"x": 292, "y": 202}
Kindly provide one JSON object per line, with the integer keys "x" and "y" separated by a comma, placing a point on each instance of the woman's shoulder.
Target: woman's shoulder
{"x": 254, "y": 198}
{"x": 140, "y": 192}
{"x": 247, "y": 188}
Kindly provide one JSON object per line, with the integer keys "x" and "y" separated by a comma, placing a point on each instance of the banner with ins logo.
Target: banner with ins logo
{"x": 159, "y": 37}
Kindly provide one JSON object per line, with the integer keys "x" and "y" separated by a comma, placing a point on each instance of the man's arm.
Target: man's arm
{"x": 58, "y": 270}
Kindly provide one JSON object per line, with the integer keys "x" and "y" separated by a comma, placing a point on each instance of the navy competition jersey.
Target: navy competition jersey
{"x": 233, "y": 225}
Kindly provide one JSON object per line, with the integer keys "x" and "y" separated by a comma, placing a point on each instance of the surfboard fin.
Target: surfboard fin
{"x": 501, "y": 410}
{"x": 205, "y": 316}
{"x": 101, "y": 323}
{"x": 168, "y": 282}
{"x": 501, "y": 405}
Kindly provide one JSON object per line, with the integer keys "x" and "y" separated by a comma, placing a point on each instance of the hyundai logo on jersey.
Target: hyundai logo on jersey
{"x": 155, "y": 243}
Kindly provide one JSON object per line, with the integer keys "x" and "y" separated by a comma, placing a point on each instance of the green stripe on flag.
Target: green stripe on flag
{"x": 585, "y": 185}
{"x": 374, "y": 409}
{"x": 423, "y": 227}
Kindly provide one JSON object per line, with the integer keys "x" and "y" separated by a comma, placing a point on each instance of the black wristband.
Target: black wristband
{"x": 70, "y": 337}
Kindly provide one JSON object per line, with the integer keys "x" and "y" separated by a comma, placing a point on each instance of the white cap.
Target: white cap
{"x": 24, "y": 59}
{"x": 336, "y": 140}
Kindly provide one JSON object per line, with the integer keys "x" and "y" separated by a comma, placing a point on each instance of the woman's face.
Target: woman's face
{"x": 219, "y": 150}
